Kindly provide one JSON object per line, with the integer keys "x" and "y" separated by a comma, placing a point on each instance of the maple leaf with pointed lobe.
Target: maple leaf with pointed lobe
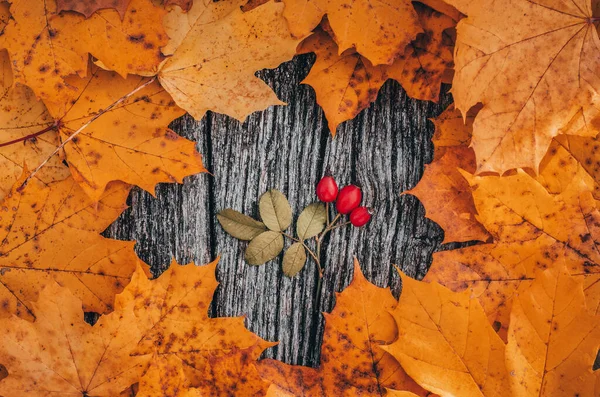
{"x": 213, "y": 67}
{"x": 346, "y": 83}
{"x": 446, "y": 344}
{"x": 352, "y": 361}
{"x": 532, "y": 229}
{"x": 159, "y": 336}
{"x": 380, "y": 30}
{"x": 51, "y": 233}
{"x": 130, "y": 142}
{"x": 217, "y": 354}
{"x": 46, "y": 46}
{"x": 533, "y": 66}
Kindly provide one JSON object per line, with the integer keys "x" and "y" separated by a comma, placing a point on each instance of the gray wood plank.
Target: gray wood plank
{"x": 288, "y": 148}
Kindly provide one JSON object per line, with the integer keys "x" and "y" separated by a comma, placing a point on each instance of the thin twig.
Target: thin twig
{"x": 26, "y": 137}
{"x": 340, "y": 225}
{"x": 290, "y": 237}
{"x": 90, "y": 121}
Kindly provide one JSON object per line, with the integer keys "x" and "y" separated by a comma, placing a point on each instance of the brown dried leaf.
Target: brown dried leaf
{"x": 294, "y": 259}
{"x": 213, "y": 68}
{"x": 352, "y": 361}
{"x": 239, "y": 225}
{"x": 52, "y": 234}
{"x": 275, "y": 210}
{"x": 264, "y": 247}
{"x": 311, "y": 221}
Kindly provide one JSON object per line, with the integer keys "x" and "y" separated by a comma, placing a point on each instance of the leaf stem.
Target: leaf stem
{"x": 90, "y": 121}
{"x": 306, "y": 247}
{"x": 30, "y": 136}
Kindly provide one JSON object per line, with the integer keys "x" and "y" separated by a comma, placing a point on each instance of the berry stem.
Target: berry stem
{"x": 340, "y": 225}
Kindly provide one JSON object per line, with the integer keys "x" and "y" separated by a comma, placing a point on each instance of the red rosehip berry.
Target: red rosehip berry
{"x": 348, "y": 199}
{"x": 327, "y": 189}
{"x": 360, "y": 216}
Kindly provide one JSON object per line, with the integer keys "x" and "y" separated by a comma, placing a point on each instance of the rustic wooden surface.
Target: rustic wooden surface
{"x": 289, "y": 148}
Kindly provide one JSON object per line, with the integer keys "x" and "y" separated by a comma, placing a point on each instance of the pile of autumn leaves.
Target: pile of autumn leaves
{"x": 524, "y": 312}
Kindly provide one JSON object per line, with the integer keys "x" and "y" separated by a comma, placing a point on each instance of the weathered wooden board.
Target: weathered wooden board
{"x": 289, "y": 148}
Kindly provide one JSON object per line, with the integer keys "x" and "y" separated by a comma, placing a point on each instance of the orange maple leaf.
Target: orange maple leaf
{"x": 217, "y": 353}
{"x": 352, "y": 361}
{"x": 379, "y": 30}
{"x": 213, "y": 67}
{"x": 52, "y": 233}
{"x": 130, "y": 142}
{"x": 157, "y": 327}
{"x": 347, "y": 82}
{"x": 179, "y": 22}
{"x": 46, "y": 46}
{"x": 22, "y": 116}
{"x": 532, "y": 229}
{"x": 446, "y": 344}
{"x": 61, "y": 354}
{"x": 533, "y": 66}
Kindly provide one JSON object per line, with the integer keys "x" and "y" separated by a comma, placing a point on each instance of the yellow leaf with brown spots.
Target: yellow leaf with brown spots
{"x": 131, "y": 142}
{"x": 88, "y": 7}
{"x": 46, "y": 46}
{"x": 59, "y": 354}
{"x": 380, "y": 30}
{"x": 178, "y": 22}
{"x": 532, "y": 229}
{"x": 213, "y": 68}
{"x": 51, "y": 233}
{"x": 218, "y": 354}
{"x": 22, "y": 116}
{"x": 347, "y": 82}
{"x": 553, "y": 339}
{"x": 446, "y": 343}
{"x": 534, "y": 66}
{"x": 352, "y": 361}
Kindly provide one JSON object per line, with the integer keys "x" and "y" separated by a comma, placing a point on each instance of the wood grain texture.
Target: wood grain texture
{"x": 288, "y": 148}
